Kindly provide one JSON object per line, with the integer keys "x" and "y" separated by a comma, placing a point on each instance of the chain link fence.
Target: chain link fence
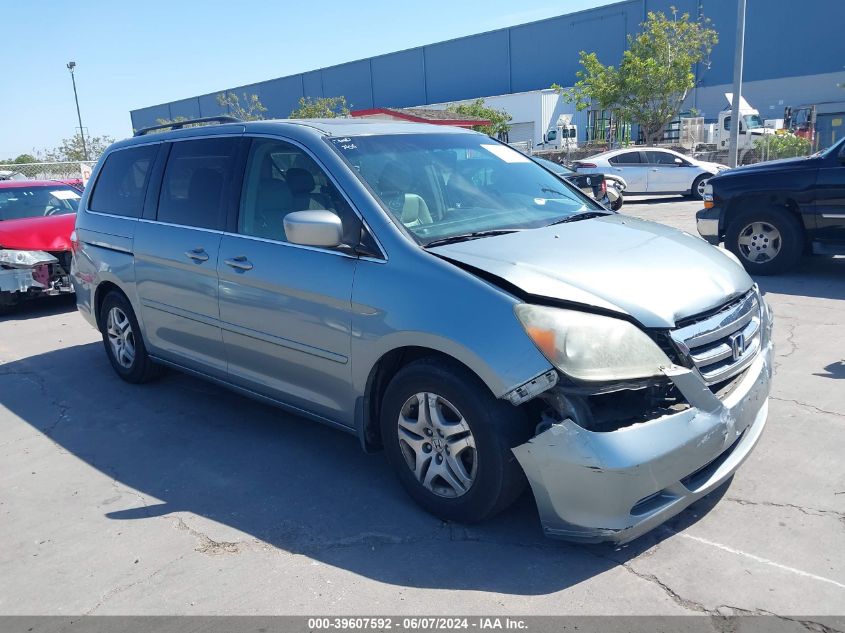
{"x": 71, "y": 170}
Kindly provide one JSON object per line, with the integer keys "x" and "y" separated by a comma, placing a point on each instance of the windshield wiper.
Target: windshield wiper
{"x": 581, "y": 215}
{"x": 464, "y": 237}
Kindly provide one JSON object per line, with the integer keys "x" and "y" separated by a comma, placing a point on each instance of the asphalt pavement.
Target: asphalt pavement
{"x": 179, "y": 497}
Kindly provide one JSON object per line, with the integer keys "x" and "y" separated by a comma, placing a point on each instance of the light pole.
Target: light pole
{"x": 70, "y": 67}
{"x": 737, "y": 96}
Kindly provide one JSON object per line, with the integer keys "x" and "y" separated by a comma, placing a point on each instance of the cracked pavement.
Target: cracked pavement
{"x": 182, "y": 498}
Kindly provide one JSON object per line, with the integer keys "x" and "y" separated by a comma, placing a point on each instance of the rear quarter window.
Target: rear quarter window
{"x": 122, "y": 182}
{"x": 628, "y": 158}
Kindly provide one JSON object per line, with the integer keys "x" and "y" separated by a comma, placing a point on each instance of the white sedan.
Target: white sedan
{"x": 651, "y": 170}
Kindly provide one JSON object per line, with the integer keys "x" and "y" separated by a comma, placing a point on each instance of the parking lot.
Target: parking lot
{"x": 179, "y": 497}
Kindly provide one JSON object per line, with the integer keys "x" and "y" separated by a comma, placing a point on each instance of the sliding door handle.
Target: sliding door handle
{"x": 239, "y": 263}
{"x": 197, "y": 254}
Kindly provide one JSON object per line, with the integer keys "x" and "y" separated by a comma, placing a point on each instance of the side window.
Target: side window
{"x": 122, "y": 182}
{"x": 660, "y": 158}
{"x": 197, "y": 182}
{"x": 727, "y": 123}
{"x": 628, "y": 158}
{"x": 280, "y": 178}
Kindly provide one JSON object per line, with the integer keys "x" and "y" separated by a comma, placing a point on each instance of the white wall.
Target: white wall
{"x": 539, "y": 107}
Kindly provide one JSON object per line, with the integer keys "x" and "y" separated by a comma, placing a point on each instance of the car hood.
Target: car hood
{"x": 45, "y": 233}
{"x": 802, "y": 162}
{"x": 711, "y": 167}
{"x": 653, "y": 273}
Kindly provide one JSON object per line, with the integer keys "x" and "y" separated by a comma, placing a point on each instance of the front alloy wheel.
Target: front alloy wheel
{"x": 448, "y": 439}
{"x": 437, "y": 444}
{"x": 759, "y": 242}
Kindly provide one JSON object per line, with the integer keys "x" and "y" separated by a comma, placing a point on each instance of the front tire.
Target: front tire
{"x": 766, "y": 241}
{"x": 8, "y": 302}
{"x": 448, "y": 440}
{"x": 123, "y": 341}
{"x": 697, "y": 191}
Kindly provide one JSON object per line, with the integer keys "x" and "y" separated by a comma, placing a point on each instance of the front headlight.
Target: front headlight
{"x": 590, "y": 347}
{"x": 25, "y": 259}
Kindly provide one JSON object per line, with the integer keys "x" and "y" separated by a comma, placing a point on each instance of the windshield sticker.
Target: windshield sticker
{"x": 65, "y": 194}
{"x": 507, "y": 154}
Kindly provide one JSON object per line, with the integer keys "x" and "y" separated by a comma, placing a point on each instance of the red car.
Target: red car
{"x": 36, "y": 220}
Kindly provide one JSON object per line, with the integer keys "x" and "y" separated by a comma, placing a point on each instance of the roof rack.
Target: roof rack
{"x": 178, "y": 125}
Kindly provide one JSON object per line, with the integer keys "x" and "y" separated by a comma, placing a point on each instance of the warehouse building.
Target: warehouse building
{"x": 794, "y": 56}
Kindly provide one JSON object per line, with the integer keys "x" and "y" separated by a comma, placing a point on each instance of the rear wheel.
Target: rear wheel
{"x": 767, "y": 241}
{"x": 123, "y": 341}
{"x": 617, "y": 204}
{"x": 448, "y": 440}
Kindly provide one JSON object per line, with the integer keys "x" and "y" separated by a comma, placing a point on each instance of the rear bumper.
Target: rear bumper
{"x": 618, "y": 485}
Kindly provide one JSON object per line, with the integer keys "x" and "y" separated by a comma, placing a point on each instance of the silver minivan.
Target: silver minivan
{"x": 444, "y": 298}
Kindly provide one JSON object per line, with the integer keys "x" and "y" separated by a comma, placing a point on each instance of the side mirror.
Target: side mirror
{"x": 679, "y": 162}
{"x": 314, "y": 228}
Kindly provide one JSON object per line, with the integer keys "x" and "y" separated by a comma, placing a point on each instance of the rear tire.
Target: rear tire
{"x": 617, "y": 204}
{"x": 123, "y": 341}
{"x": 767, "y": 241}
{"x": 433, "y": 404}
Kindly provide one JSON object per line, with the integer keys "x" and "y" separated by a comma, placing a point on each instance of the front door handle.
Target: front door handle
{"x": 240, "y": 263}
{"x": 197, "y": 254}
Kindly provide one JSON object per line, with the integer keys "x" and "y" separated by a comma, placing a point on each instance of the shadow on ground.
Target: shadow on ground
{"x": 188, "y": 446}
{"x": 45, "y": 306}
{"x": 651, "y": 200}
{"x": 822, "y": 277}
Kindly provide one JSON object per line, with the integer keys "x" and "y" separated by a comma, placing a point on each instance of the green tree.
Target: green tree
{"x": 499, "y": 119}
{"x": 20, "y": 160}
{"x": 176, "y": 119}
{"x": 320, "y": 108}
{"x": 70, "y": 149}
{"x": 654, "y": 76}
{"x": 250, "y": 110}
{"x": 774, "y": 146}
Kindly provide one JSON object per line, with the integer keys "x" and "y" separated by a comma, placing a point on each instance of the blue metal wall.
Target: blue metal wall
{"x": 783, "y": 39}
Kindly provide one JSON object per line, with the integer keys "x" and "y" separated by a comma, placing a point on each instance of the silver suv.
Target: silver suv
{"x": 444, "y": 298}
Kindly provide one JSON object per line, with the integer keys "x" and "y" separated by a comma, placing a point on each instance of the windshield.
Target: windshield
{"x": 830, "y": 151}
{"x": 752, "y": 121}
{"x": 555, "y": 167}
{"x": 33, "y": 202}
{"x": 445, "y": 185}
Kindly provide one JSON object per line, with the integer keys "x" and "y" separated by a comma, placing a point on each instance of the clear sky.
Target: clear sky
{"x": 132, "y": 54}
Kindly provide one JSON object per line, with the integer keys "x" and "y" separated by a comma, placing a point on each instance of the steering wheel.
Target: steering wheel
{"x": 52, "y": 210}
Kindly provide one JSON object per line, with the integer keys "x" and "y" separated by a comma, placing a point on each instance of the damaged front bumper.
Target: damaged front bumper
{"x": 32, "y": 272}
{"x": 615, "y": 486}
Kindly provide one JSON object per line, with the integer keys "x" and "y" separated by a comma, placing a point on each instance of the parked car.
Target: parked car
{"x": 477, "y": 318}
{"x": 652, "y": 170}
{"x": 609, "y": 192}
{"x": 36, "y": 220}
{"x": 772, "y": 213}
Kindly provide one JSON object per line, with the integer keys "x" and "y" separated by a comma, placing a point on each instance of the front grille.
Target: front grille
{"x": 723, "y": 344}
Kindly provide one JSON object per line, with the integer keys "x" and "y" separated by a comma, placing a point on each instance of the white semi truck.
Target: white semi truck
{"x": 716, "y": 147}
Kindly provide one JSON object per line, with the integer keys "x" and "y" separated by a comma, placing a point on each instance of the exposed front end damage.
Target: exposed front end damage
{"x": 27, "y": 274}
{"x": 599, "y": 480}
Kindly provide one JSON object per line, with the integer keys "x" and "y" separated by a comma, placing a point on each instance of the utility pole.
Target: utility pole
{"x": 70, "y": 67}
{"x": 738, "y": 58}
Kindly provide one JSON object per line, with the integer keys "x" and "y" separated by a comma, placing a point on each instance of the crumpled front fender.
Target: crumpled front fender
{"x": 615, "y": 486}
